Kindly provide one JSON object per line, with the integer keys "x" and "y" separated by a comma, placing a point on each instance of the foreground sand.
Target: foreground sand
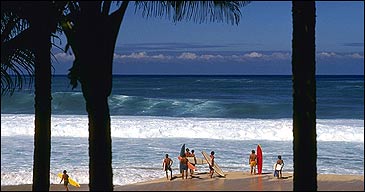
{"x": 234, "y": 181}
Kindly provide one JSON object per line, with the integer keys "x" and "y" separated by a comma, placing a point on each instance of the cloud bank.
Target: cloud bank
{"x": 252, "y": 62}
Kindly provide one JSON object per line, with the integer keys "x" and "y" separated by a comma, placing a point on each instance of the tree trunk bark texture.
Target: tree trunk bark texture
{"x": 304, "y": 96}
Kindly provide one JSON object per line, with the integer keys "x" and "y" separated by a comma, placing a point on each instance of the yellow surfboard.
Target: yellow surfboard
{"x": 70, "y": 180}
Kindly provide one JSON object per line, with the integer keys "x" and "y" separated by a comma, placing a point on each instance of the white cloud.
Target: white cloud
{"x": 241, "y": 58}
{"x": 161, "y": 56}
{"x": 192, "y": 56}
{"x": 340, "y": 55}
{"x": 141, "y": 55}
{"x": 327, "y": 54}
{"x": 261, "y": 56}
{"x": 207, "y": 57}
{"x": 279, "y": 55}
{"x": 253, "y": 55}
{"x": 356, "y": 56}
{"x": 187, "y": 55}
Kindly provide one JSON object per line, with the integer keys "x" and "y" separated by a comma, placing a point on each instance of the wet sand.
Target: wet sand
{"x": 234, "y": 181}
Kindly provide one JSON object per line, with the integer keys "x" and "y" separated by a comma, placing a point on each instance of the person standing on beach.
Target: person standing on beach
{"x": 280, "y": 163}
{"x": 184, "y": 166}
{"x": 187, "y": 153}
{"x": 193, "y": 163}
{"x": 167, "y": 163}
{"x": 253, "y": 161}
{"x": 65, "y": 179}
{"x": 211, "y": 169}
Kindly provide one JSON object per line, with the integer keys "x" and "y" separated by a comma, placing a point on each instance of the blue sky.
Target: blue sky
{"x": 259, "y": 45}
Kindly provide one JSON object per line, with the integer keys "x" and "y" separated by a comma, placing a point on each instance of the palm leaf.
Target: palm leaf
{"x": 197, "y": 11}
{"x": 17, "y": 60}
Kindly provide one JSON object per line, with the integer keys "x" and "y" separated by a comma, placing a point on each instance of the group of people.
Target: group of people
{"x": 167, "y": 163}
{"x": 277, "y": 167}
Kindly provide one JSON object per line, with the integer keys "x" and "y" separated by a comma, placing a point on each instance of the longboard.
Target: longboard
{"x": 216, "y": 168}
{"x": 259, "y": 159}
{"x": 199, "y": 161}
{"x": 70, "y": 180}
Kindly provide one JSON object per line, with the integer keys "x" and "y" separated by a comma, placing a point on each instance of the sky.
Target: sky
{"x": 259, "y": 45}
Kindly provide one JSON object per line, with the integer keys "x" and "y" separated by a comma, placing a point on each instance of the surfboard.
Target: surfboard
{"x": 278, "y": 166}
{"x": 182, "y": 152}
{"x": 259, "y": 159}
{"x": 216, "y": 168}
{"x": 190, "y": 166}
{"x": 199, "y": 161}
{"x": 163, "y": 162}
{"x": 70, "y": 180}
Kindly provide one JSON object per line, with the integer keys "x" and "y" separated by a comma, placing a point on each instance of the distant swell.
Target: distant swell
{"x": 73, "y": 103}
{"x": 350, "y": 130}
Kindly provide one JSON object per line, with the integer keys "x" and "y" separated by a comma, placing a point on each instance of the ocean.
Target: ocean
{"x": 155, "y": 115}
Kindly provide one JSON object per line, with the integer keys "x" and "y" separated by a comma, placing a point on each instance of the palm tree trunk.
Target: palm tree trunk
{"x": 304, "y": 96}
{"x": 95, "y": 61}
{"x": 42, "y": 137}
{"x": 96, "y": 87}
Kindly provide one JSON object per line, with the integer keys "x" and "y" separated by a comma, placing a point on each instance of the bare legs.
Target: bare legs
{"x": 167, "y": 175}
{"x": 253, "y": 169}
{"x": 185, "y": 174}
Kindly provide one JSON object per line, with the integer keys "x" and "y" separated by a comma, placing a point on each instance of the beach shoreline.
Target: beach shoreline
{"x": 234, "y": 181}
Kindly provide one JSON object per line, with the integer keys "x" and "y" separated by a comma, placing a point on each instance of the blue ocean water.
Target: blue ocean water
{"x": 154, "y": 115}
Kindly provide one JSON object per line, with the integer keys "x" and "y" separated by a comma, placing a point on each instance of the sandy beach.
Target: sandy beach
{"x": 234, "y": 181}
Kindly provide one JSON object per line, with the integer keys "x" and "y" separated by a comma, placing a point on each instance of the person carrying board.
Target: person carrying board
{"x": 167, "y": 163}
{"x": 279, "y": 167}
{"x": 65, "y": 179}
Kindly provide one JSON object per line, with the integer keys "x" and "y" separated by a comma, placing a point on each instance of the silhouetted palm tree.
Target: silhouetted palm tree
{"x": 17, "y": 58}
{"x": 304, "y": 96}
{"x": 92, "y": 31}
{"x": 28, "y": 47}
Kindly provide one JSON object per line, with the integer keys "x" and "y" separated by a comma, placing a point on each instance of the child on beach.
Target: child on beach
{"x": 253, "y": 161}
{"x": 167, "y": 163}
{"x": 65, "y": 179}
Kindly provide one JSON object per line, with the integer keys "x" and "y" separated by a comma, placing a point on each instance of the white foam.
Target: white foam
{"x": 351, "y": 130}
{"x": 120, "y": 177}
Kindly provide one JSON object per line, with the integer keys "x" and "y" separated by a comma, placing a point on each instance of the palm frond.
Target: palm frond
{"x": 197, "y": 11}
{"x": 17, "y": 62}
{"x": 17, "y": 36}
